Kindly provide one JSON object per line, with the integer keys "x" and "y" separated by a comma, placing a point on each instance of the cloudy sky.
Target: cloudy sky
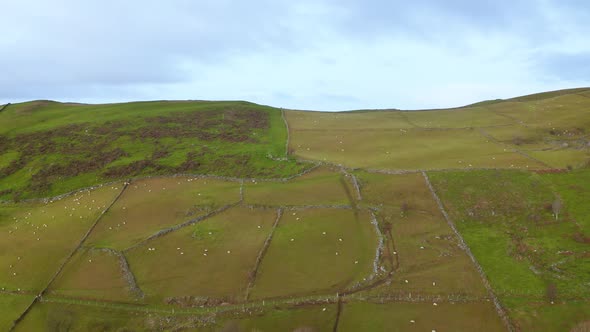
{"x": 305, "y": 54}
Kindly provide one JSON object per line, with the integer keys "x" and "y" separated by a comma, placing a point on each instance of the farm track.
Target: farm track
{"x": 499, "y": 309}
{"x": 68, "y": 258}
{"x": 3, "y": 107}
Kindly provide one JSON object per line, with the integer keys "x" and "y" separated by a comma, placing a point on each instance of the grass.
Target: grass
{"x": 48, "y": 148}
{"x": 575, "y": 195}
{"x": 11, "y": 306}
{"x": 551, "y": 127}
{"x": 307, "y": 318}
{"x": 35, "y": 238}
{"x": 457, "y": 118}
{"x": 320, "y": 187}
{"x": 233, "y": 271}
{"x": 559, "y": 112}
{"x": 93, "y": 274}
{"x": 302, "y": 260}
{"x": 543, "y": 317}
{"x": 425, "y": 248}
{"x": 507, "y": 220}
{"x": 66, "y": 317}
{"x": 407, "y": 149}
{"x": 566, "y": 158}
{"x": 359, "y": 316}
{"x": 210, "y": 259}
{"x": 150, "y": 205}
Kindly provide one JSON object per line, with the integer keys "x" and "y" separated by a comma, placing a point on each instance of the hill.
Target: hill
{"x": 49, "y": 148}
{"x": 232, "y": 216}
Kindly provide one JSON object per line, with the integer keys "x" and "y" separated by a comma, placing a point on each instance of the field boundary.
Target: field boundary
{"x": 338, "y": 313}
{"x": 499, "y": 309}
{"x": 177, "y": 175}
{"x": 3, "y": 107}
{"x": 288, "y": 133}
{"x": 261, "y": 254}
{"x": 380, "y": 246}
{"x": 68, "y": 258}
{"x": 127, "y": 273}
{"x": 168, "y": 230}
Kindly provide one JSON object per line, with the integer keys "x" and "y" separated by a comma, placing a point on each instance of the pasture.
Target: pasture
{"x": 341, "y": 232}
{"x": 11, "y": 307}
{"x": 424, "y": 250}
{"x": 152, "y": 205}
{"x": 36, "y": 238}
{"x": 406, "y": 149}
{"x": 367, "y": 316}
{"x": 211, "y": 260}
{"x": 94, "y": 274}
{"x": 508, "y": 220}
{"x": 317, "y": 251}
{"x": 322, "y": 186}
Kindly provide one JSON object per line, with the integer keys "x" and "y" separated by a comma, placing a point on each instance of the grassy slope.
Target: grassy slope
{"x": 506, "y": 219}
{"x": 551, "y": 127}
{"x": 506, "y": 249}
{"x": 47, "y": 148}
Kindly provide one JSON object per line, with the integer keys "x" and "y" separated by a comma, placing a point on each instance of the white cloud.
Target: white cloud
{"x": 328, "y": 55}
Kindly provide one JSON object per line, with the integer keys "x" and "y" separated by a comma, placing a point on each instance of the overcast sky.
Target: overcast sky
{"x": 305, "y": 54}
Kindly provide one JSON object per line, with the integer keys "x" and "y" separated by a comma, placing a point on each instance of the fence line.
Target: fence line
{"x": 499, "y": 309}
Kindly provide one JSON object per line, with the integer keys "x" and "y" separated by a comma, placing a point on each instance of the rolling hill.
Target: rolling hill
{"x": 233, "y": 216}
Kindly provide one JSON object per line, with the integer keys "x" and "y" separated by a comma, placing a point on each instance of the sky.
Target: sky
{"x": 305, "y": 54}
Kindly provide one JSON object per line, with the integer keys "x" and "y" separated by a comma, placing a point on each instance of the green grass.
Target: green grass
{"x": 359, "y": 316}
{"x": 320, "y": 187}
{"x": 457, "y": 118}
{"x": 196, "y": 278}
{"x": 47, "y": 148}
{"x": 150, "y": 205}
{"x": 407, "y": 149}
{"x": 93, "y": 274}
{"x": 573, "y": 189}
{"x": 210, "y": 259}
{"x": 67, "y": 317}
{"x": 35, "y": 238}
{"x": 425, "y": 247}
{"x": 506, "y": 219}
{"x": 302, "y": 260}
{"x": 543, "y": 317}
{"x": 306, "y": 318}
{"x": 11, "y": 307}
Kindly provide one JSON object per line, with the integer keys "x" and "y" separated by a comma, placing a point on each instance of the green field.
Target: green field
{"x": 508, "y": 221}
{"x": 317, "y": 251}
{"x": 320, "y": 187}
{"x": 151, "y": 205}
{"x": 36, "y": 238}
{"x": 232, "y": 216}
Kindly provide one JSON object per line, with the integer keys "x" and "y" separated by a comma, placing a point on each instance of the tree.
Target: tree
{"x": 556, "y": 207}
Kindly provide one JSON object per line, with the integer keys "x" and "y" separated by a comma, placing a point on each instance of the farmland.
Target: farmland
{"x": 231, "y": 216}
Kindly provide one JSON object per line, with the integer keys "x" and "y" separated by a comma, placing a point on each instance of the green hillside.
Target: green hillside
{"x": 48, "y": 148}
{"x": 232, "y": 216}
